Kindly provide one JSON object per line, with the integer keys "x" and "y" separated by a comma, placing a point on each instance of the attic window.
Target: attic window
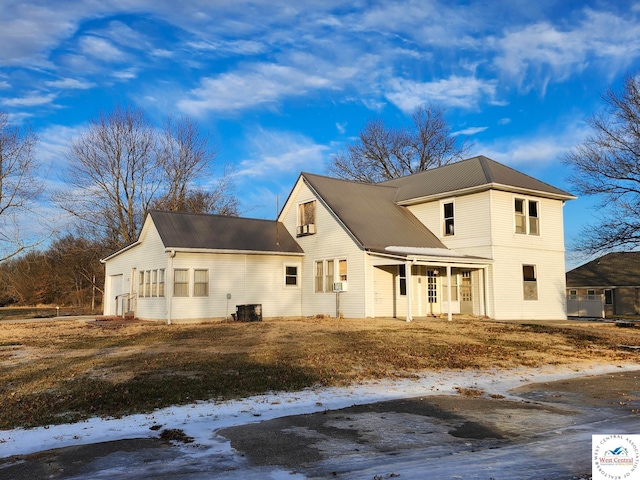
{"x": 306, "y": 219}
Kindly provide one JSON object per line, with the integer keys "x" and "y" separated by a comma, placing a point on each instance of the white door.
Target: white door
{"x": 114, "y": 289}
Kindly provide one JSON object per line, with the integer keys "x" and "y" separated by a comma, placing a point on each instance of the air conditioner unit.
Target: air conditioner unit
{"x": 308, "y": 229}
{"x": 340, "y": 286}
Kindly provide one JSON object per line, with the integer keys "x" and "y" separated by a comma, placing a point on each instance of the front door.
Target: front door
{"x": 466, "y": 300}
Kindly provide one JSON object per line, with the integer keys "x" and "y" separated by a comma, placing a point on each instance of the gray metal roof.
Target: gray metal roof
{"x": 218, "y": 232}
{"x": 473, "y": 173}
{"x": 611, "y": 270}
{"x": 371, "y": 215}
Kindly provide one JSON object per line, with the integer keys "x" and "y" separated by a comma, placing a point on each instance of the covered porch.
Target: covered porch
{"x": 410, "y": 282}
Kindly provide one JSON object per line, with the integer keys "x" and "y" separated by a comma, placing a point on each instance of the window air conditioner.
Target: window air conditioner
{"x": 340, "y": 286}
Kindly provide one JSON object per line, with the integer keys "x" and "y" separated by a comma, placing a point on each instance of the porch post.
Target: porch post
{"x": 409, "y": 281}
{"x": 450, "y": 316}
{"x": 485, "y": 275}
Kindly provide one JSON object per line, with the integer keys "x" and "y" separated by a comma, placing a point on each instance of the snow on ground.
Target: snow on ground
{"x": 200, "y": 420}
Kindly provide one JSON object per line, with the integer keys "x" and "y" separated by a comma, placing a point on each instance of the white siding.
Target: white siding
{"x": 331, "y": 241}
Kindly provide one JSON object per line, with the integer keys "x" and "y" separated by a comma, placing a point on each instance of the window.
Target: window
{"x": 141, "y": 284}
{"x": 319, "y": 278}
{"x": 527, "y": 216}
{"x": 180, "y": 283}
{"x": 432, "y": 291}
{"x": 154, "y": 283}
{"x": 161, "y": 282}
{"x": 291, "y": 275}
{"x": 147, "y": 283}
{"x": 306, "y": 219}
{"x": 402, "y": 274}
{"x": 530, "y": 282}
{"x": 454, "y": 287}
{"x": 591, "y": 294}
{"x": 608, "y": 297}
{"x": 342, "y": 270}
{"x": 329, "y": 280}
{"x": 201, "y": 283}
{"x": 448, "y": 218}
{"x": 573, "y": 294}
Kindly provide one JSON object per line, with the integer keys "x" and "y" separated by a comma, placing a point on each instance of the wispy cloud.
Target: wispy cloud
{"x": 273, "y": 152}
{"x": 460, "y": 92}
{"x": 70, "y": 83}
{"x": 469, "y": 131}
{"x": 32, "y": 100}
{"x": 263, "y": 84}
{"x": 102, "y": 49}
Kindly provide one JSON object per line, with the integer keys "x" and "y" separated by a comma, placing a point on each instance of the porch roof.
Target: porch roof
{"x": 430, "y": 256}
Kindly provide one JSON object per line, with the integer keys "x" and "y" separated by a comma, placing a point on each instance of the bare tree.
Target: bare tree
{"x": 607, "y": 165}
{"x": 19, "y": 189}
{"x": 122, "y": 166}
{"x": 113, "y": 175}
{"x": 185, "y": 159}
{"x": 382, "y": 153}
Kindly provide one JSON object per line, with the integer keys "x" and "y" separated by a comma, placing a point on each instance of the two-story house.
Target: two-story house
{"x": 473, "y": 237}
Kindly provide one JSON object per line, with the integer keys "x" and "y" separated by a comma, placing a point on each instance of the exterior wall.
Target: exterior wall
{"x": 512, "y": 250}
{"x": 485, "y": 227}
{"x": 148, "y": 255}
{"x": 331, "y": 241}
{"x": 248, "y": 279}
{"x": 237, "y": 279}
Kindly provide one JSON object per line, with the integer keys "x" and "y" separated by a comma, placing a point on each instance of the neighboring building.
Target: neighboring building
{"x": 605, "y": 287}
{"x": 474, "y": 237}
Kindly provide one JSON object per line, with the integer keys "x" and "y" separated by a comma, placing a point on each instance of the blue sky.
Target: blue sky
{"x": 280, "y": 85}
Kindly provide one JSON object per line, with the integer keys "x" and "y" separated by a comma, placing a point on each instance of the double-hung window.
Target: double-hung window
{"x": 201, "y": 283}
{"x": 319, "y": 278}
{"x": 530, "y": 282}
{"x": 291, "y": 275}
{"x": 447, "y": 216}
{"x": 527, "y": 217}
{"x": 180, "y": 282}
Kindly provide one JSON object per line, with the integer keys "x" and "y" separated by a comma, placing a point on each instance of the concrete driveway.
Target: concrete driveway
{"x": 536, "y": 431}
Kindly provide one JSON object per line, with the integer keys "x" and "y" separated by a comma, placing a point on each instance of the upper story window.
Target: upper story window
{"x": 527, "y": 216}
{"x": 447, "y": 215}
{"x": 306, "y": 218}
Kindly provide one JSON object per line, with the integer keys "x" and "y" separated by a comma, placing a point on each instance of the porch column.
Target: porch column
{"x": 409, "y": 281}
{"x": 450, "y": 316}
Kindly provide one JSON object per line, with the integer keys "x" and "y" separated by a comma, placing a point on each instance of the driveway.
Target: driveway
{"x": 485, "y": 430}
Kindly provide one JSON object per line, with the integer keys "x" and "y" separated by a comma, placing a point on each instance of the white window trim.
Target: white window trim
{"x": 526, "y": 215}
{"x": 525, "y": 282}
{"x": 298, "y": 275}
{"x": 208, "y": 283}
{"x": 443, "y": 228}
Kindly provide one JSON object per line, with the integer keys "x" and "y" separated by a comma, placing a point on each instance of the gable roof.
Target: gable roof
{"x": 474, "y": 174}
{"x": 218, "y": 232}
{"x": 611, "y": 270}
{"x": 371, "y": 215}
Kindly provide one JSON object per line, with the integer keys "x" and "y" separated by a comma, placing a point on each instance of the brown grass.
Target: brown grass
{"x": 66, "y": 371}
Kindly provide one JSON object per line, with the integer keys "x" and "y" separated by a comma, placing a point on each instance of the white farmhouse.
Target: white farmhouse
{"x": 473, "y": 237}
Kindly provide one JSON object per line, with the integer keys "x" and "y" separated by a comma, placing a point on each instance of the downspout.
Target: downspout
{"x": 409, "y": 281}
{"x": 449, "y": 316}
{"x": 169, "y": 284}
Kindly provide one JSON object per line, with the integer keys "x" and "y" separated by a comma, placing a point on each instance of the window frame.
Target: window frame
{"x": 319, "y": 277}
{"x": 526, "y": 222}
{"x": 197, "y": 284}
{"x": 446, "y": 219}
{"x": 161, "y": 282}
{"x": 287, "y": 275}
{"x": 402, "y": 280}
{"x": 608, "y": 296}
{"x": 306, "y": 226}
{"x": 177, "y": 283}
{"x": 529, "y": 283}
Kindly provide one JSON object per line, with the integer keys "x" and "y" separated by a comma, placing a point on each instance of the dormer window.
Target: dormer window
{"x": 306, "y": 219}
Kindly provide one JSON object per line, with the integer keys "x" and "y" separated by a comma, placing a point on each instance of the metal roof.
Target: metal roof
{"x": 476, "y": 173}
{"x": 370, "y": 214}
{"x": 217, "y": 232}
{"x": 611, "y": 270}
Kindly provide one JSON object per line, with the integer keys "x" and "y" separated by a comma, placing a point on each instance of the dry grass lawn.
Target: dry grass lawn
{"x": 66, "y": 371}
